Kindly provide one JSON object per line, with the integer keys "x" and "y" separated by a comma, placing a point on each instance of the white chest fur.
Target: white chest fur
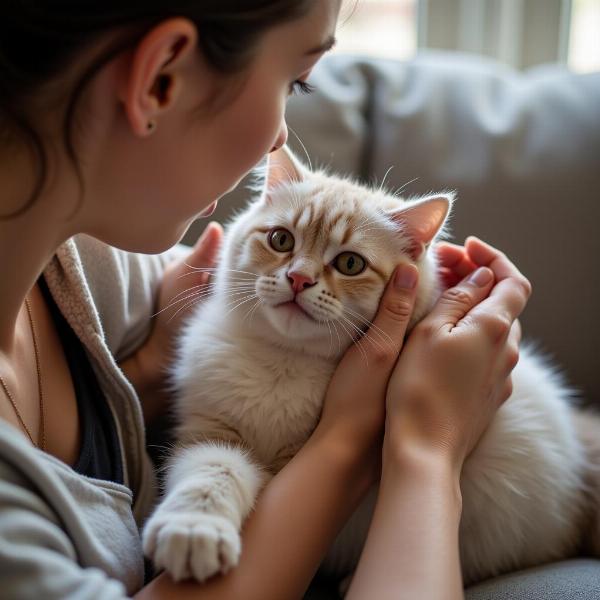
{"x": 270, "y": 396}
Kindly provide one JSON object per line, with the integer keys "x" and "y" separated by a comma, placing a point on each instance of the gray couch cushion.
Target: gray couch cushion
{"x": 568, "y": 580}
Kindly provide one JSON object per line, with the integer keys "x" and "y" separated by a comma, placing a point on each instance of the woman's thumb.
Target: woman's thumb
{"x": 205, "y": 250}
{"x": 392, "y": 319}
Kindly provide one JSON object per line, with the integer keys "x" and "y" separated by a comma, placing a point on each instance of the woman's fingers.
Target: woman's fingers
{"x": 459, "y": 300}
{"x": 512, "y": 291}
{"x": 454, "y": 258}
{"x": 483, "y": 254}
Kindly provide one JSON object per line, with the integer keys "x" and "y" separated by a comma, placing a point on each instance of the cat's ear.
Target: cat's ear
{"x": 283, "y": 168}
{"x": 422, "y": 220}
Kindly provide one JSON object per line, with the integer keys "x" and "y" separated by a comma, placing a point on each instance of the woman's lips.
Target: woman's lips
{"x": 209, "y": 210}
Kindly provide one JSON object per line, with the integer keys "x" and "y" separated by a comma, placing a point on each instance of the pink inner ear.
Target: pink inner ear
{"x": 422, "y": 221}
{"x": 283, "y": 168}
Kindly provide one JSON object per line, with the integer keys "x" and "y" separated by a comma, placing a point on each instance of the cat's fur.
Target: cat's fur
{"x": 251, "y": 377}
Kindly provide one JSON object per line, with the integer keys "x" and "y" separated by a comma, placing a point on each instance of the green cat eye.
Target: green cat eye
{"x": 281, "y": 240}
{"x": 349, "y": 263}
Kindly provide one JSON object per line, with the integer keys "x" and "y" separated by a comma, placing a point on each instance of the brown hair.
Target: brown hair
{"x": 39, "y": 39}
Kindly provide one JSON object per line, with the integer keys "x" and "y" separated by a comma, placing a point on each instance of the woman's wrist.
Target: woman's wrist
{"x": 357, "y": 463}
{"x": 411, "y": 457}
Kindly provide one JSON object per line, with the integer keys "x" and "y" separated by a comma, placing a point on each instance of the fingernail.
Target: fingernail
{"x": 405, "y": 277}
{"x": 481, "y": 276}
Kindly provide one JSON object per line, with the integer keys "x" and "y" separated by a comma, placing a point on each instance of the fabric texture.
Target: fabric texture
{"x": 62, "y": 534}
{"x": 100, "y": 449}
{"x": 567, "y": 580}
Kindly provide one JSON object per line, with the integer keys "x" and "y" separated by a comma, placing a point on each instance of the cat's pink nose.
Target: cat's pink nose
{"x": 299, "y": 281}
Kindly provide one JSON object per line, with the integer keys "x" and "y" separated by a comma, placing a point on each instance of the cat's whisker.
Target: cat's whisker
{"x": 384, "y": 177}
{"x": 372, "y": 327}
{"x": 251, "y": 310}
{"x": 401, "y": 188}
{"x": 196, "y": 298}
{"x": 216, "y": 269}
{"x": 330, "y": 338}
{"x": 354, "y": 341}
{"x": 303, "y": 146}
{"x": 362, "y": 337}
{"x": 251, "y": 297}
{"x": 209, "y": 285}
{"x": 199, "y": 294}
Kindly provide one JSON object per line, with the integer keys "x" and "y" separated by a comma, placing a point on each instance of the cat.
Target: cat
{"x": 253, "y": 366}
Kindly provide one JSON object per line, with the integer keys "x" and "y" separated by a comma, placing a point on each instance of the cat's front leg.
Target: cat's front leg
{"x": 195, "y": 530}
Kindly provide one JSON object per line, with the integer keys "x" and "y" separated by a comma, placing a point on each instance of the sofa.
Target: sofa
{"x": 522, "y": 150}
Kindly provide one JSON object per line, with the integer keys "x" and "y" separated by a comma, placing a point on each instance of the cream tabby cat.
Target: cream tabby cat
{"x": 302, "y": 272}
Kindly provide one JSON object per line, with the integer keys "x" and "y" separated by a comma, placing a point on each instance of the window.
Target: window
{"x": 584, "y": 38}
{"x": 520, "y": 33}
{"x": 384, "y": 28}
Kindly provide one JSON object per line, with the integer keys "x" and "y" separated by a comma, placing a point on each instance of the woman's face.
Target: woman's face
{"x": 146, "y": 190}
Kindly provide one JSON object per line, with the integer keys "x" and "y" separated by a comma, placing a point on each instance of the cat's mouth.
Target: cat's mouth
{"x": 293, "y": 307}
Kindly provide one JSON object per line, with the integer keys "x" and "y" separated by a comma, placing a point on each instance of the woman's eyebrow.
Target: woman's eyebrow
{"x": 328, "y": 44}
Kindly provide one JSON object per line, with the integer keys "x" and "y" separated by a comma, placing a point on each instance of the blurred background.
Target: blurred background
{"x": 496, "y": 99}
{"x": 519, "y": 33}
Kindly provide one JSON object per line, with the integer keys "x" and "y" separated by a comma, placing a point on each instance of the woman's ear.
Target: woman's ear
{"x": 153, "y": 78}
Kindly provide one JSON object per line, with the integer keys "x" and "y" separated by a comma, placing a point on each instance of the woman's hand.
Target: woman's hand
{"x": 354, "y": 410}
{"x": 454, "y": 371}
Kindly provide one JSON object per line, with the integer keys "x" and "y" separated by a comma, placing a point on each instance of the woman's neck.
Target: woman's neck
{"x": 24, "y": 255}
{"x": 27, "y": 243}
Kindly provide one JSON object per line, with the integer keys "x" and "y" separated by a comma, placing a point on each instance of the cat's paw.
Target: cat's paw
{"x": 192, "y": 544}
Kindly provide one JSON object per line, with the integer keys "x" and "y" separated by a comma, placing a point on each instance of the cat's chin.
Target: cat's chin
{"x": 289, "y": 325}
{"x": 290, "y": 319}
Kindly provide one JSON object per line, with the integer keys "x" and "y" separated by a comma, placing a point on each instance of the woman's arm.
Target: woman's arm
{"x": 412, "y": 548}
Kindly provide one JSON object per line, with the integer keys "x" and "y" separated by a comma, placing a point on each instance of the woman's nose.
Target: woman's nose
{"x": 281, "y": 137}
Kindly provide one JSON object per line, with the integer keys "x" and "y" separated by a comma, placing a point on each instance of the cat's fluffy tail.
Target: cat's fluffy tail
{"x": 587, "y": 424}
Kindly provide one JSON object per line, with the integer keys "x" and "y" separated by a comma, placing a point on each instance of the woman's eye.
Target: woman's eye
{"x": 349, "y": 263}
{"x": 301, "y": 87}
{"x": 281, "y": 240}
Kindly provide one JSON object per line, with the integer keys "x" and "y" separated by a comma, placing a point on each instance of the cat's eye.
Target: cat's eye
{"x": 281, "y": 240}
{"x": 349, "y": 263}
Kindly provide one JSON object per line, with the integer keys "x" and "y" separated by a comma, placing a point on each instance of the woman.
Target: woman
{"x": 121, "y": 122}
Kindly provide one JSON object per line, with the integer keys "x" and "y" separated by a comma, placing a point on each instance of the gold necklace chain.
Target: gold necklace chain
{"x": 42, "y": 434}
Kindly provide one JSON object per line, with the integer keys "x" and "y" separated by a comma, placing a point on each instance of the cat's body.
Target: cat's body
{"x": 252, "y": 383}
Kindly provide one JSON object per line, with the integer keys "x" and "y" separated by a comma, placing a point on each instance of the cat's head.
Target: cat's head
{"x": 317, "y": 251}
